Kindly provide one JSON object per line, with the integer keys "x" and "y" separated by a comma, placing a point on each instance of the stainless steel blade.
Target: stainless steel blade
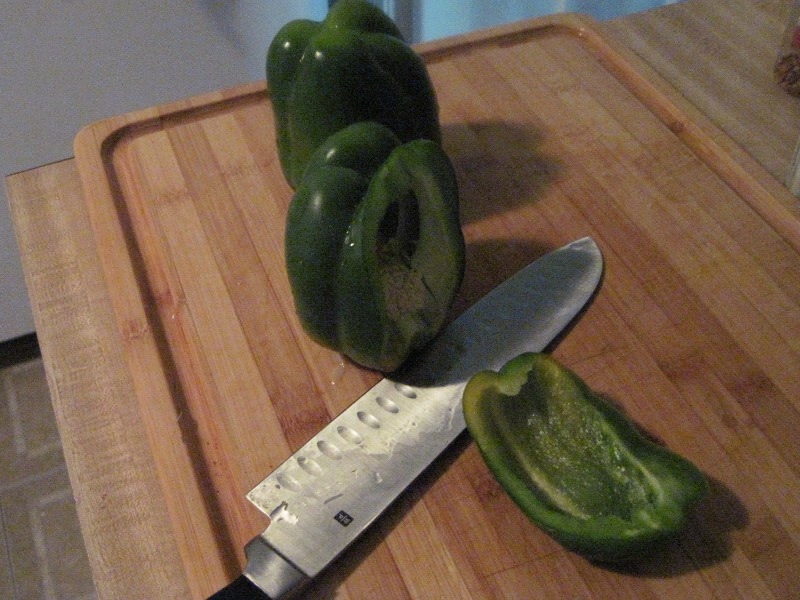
{"x": 330, "y": 490}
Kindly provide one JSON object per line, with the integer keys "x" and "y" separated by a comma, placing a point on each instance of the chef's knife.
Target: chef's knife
{"x": 331, "y": 489}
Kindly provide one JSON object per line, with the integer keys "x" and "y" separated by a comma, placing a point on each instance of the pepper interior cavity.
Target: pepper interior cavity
{"x": 567, "y": 450}
{"x": 575, "y": 464}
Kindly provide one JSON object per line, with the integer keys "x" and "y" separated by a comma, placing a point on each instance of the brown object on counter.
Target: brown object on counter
{"x": 181, "y": 376}
{"x": 787, "y": 67}
{"x": 787, "y": 71}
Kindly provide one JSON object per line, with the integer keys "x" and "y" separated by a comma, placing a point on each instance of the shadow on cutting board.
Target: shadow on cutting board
{"x": 703, "y": 543}
{"x": 705, "y": 539}
{"x": 500, "y": 166}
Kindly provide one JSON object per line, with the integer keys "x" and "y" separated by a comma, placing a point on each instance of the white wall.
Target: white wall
{"x": 66, "y": 63}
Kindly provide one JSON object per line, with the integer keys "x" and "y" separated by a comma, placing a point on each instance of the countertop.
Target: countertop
{"x": 717, "y": 56}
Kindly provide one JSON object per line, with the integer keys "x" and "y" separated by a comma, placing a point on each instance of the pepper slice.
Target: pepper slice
{"x": 374, "y": 248}
{"x": 576, "y": 465}
{"x": 353, "y": 66}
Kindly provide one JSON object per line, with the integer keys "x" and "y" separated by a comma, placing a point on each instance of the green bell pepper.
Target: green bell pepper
{"x": 575, "y": 464}
{"x": 353, "y": 66}
{"x": 374, "y": 248}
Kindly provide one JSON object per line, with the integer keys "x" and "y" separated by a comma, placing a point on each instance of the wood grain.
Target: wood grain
{"x": 555, "y": 134}
{"x": 720, "y": 55}
{"x": 125, "y": 500}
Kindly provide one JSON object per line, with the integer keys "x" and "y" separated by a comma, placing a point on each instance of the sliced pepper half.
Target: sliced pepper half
{"x": 353, "y": 66}
{"x": 575, "y": 464}
{"x": 374, "y": 248}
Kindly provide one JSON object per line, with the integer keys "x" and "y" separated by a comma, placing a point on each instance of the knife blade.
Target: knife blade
{"x": 323, "y": 496}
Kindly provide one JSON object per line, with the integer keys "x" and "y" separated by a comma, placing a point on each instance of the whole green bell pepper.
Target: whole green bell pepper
{"x": 353, "y": 66}
{"x": 575, "y": 464}
{"x": 374, "y": 248}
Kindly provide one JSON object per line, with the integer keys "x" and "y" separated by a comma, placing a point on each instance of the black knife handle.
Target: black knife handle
{"x": 240, "y": 588}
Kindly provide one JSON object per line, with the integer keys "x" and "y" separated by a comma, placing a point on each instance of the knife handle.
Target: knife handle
{"x": 269, "y": 576}
{"x": 240, "y": 588}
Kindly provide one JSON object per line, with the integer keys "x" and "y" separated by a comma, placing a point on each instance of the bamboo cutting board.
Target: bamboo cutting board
{"x": 554, "y": 134}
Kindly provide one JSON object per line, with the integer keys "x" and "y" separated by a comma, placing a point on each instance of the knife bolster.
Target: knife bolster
{"x": 271, "y": 572}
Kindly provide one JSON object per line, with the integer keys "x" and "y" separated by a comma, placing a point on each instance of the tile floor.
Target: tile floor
{"x": 42, "y": 555}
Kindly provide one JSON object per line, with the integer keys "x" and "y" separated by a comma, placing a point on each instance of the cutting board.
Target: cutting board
{"x": 554, "y": 134}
